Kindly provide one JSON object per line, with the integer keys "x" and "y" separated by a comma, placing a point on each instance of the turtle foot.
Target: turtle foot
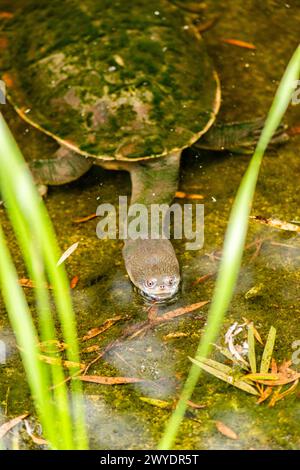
{"x": 239, "y": 137}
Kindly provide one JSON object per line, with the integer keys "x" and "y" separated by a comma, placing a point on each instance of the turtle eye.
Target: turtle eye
{"x": 150, "y": 283}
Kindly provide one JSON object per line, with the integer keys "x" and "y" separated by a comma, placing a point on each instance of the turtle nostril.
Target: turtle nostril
{"x": 162, "y": 287}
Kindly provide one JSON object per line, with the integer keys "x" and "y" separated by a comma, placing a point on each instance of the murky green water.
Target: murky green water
{"x": 117, "y": 416}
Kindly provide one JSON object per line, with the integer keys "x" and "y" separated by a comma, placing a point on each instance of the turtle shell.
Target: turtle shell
{"x": 108, "y": 78}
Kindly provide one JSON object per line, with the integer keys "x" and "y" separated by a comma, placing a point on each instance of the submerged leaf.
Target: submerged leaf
{"x": 183, "y": 195}
{"x": 260, "y": 376}
{"x": 220, "y": 373}
{"x": 36, "y": 439}
{"x": 10, "y": 424}
{"x": 103, "y": 380}
{"x": 280, "y": 396}
{"x": 251, "y": 349}
{"x": 226, "y": 353}
{"x": 74, "y": 282}
{"x": 268, "y": 351}
{"x": 85, "y": 219}
{"x": 196, "y": 406}
{"x": 255, "y": 332}
{"x": 67, "y": 253}
{"x": 203, "y": 278}
{"x": 281, "y": 380}
{"x": 180, "y": 311}
{"x": 276, "y": 223}
{"x": 155, "y": 402}
{"x": 52, "y": 346}
{"x": 93, "y": 348}
{"x": 265, "y": 395}
{"x": 175, "y": 335}
{"x": 58, "y": 361}
{"x": 226, "y": 430}
{"x": 30, "y": 284}
{"x": 6, "y": 15}
{"x": 239, "y": 43}
{"x": 100, "y": 329}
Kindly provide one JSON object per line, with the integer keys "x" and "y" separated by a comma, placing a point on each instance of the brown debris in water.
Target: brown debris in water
{"x": 85, "y": 219}
{"x": 239, "y": 43}
{"x": 104, "y": 380}
{"x": 74, "y": 282}
{"x": 24, "y": 282}
{"x": 6, "y": 427}
{"x": 226, "y": 430}
{"x": 92, "y": 333}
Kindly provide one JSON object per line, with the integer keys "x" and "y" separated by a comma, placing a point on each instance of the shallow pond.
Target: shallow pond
{"x": 117, "y": 417}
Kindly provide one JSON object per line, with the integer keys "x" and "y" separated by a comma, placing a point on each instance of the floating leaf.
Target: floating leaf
{"x": 268, "y": 351}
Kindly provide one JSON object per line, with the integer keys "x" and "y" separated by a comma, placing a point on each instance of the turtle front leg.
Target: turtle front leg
{"x": 66, "y": 167}
{"x": 152, "y": 264}
{"x": 238, "y": 137}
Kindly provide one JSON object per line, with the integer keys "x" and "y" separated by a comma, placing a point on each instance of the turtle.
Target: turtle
{"x": 124, "y": 85}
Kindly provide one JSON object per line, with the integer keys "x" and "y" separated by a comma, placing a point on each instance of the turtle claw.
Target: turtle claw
{"x": 42, "y": 190}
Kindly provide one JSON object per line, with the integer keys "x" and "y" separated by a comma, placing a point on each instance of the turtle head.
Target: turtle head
{"x": 159, "y": 286}
{"x": 153, "y": 268}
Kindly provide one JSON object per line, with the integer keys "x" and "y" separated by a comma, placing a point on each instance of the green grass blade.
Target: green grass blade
{"x": 268, "y": 351}
{"x": 40, "y": 250}
{"x": 234, "y": 243}
{"x": 34, "y": 262}
{"x": 26, "y": 335}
